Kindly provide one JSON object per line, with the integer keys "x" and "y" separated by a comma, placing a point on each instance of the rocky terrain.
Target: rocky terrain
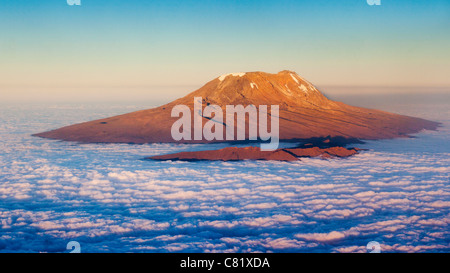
{"x": 304, "y": 113}
{"x": 255, "y": 153}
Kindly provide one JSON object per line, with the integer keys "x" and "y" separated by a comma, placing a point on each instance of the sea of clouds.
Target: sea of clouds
{"x": 106, "y": 197}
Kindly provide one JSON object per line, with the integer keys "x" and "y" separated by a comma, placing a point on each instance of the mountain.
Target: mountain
{"x": 255, "y": 153}
{"x": 304, "y": 113}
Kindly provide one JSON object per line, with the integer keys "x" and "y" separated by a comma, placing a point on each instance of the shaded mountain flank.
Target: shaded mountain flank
{"x": 255, "y": 153}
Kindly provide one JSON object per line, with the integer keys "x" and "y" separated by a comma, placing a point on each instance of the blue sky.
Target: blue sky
{"x": 148, "y": 43}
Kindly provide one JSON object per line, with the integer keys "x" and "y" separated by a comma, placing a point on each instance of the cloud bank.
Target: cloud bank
{"x": 110, "y": 200}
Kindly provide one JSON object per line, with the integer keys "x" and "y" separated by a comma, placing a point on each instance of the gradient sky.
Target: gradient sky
{"x": 137, "y": 44}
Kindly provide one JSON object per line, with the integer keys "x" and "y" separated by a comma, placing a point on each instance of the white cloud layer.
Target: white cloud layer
{"x": 108, "y": 199}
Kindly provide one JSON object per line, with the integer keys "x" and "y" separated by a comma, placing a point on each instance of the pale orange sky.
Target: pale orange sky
{"x": 50, "y": 50}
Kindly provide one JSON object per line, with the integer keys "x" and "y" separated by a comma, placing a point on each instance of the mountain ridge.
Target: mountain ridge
{"x": 304, "y": 113}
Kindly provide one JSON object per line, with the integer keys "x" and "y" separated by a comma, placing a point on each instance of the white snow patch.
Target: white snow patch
{"x": 221, "y": 78}
{"x": 287, "y": 89}
{"x": 303, "y": 88}
{"x": 252, "y": 85}
{"x": 295, "y": 79}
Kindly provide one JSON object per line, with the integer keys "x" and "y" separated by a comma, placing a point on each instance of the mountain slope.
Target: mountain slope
{"x": 304, "y": 113}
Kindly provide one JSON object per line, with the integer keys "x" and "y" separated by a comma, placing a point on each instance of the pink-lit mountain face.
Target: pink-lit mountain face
{"x": 304, "y": 112}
